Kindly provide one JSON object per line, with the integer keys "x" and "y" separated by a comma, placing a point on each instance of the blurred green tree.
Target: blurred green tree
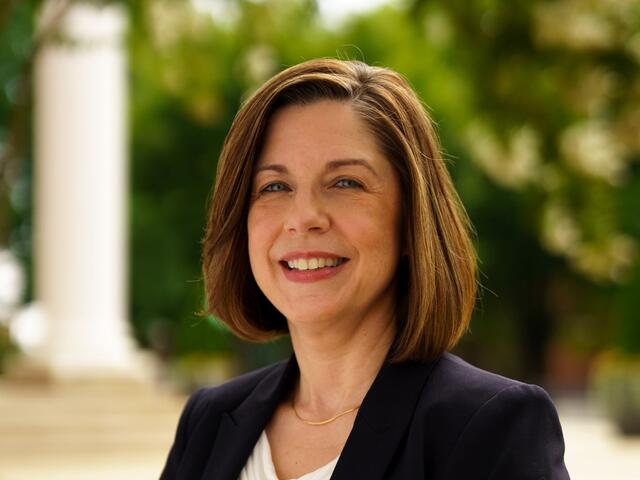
{"x": 554, "y": 121}
{"x": 538, "y": 108}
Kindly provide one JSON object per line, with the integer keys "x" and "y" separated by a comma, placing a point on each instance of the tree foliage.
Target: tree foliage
{"x": 538, "y": 107}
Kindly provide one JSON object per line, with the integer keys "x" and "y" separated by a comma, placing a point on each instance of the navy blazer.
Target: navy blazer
{"x": 439, "y": 420}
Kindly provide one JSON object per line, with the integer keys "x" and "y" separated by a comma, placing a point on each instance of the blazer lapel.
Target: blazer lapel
{"x": 382, "y": 420}
{"x": 239, "y": 429}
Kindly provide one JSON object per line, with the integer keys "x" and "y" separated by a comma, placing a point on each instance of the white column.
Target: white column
{"x": 80, "y": 193}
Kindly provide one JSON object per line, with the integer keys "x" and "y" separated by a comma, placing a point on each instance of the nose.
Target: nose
{"x": 307, "y": 213}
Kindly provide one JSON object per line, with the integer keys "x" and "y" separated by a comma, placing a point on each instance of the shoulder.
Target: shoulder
{"x": 200, "y": 418}
{"x": 458, "y": 393}
{"x": 488, "y": 422}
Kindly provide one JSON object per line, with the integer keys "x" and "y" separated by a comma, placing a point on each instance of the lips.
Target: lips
{"x": 314, "y": 266}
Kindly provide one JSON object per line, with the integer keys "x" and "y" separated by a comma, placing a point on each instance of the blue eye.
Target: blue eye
{"x": 348, "y": 183}
{"x": 274, "y": 187}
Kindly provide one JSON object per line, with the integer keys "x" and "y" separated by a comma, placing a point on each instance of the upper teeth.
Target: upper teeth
{"x": 313, "y": 263}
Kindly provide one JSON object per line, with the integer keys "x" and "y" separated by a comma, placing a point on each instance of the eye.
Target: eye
{"x": 348, "y": 183}
{"x": 274, "y": 187}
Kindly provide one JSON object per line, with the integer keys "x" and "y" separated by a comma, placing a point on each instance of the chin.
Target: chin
{"x": 310, "y": 315}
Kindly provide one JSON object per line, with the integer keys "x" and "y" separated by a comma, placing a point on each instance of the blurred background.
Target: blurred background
{"x": 113, "y": 114}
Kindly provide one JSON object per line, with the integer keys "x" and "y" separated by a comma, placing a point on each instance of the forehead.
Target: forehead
{"x": 319, "y": 132}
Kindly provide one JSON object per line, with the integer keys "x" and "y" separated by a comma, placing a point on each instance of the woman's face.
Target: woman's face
{"x": 324, "y": 218}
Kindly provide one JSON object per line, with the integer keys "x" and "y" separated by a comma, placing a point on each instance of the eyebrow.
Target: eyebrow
{"x": 332, "y": 165}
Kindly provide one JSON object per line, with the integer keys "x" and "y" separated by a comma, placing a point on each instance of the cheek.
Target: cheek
{"x": 388, "y": 224}
{"x": 261, "y": 230}
{"x": 375, "y": 229}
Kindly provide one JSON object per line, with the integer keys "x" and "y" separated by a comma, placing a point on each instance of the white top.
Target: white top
{"x": 259, "y": 466}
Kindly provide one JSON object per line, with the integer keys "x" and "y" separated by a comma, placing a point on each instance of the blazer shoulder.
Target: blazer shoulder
{"x": 486, "y": 422}
{"x": 457, "y": 390}
{"x": 503, "y": 428}
{"x": 200, "y": 417}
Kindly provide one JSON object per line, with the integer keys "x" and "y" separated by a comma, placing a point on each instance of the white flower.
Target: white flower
{"x": 512, "y": 165}
{"x": 590, "y": 148}
{"x": 560, "y": 231}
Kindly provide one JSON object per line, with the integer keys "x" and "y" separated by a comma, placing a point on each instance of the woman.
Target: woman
{"x": 334, "y": 220}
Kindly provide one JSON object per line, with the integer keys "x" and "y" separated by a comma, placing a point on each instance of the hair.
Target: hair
{"x": 436, "y": 276}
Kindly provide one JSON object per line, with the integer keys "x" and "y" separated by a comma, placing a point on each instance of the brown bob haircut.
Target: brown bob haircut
{"x": 437, "y": 276}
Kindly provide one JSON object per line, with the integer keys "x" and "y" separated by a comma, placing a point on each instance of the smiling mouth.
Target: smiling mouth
{"x": 307, "y": 264}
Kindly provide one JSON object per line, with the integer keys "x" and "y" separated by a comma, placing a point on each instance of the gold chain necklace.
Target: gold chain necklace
{"x": 323, "y": 422}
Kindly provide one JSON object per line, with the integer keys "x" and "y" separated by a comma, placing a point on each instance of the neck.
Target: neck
{"x": 339, "y": 364}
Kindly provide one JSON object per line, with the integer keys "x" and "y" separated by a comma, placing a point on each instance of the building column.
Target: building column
{"x": 81, "y": 193}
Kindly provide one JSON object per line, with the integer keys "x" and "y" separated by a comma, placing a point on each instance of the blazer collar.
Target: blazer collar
{"x": 382, "y": 421}
{"x": 378, "y": 429}
{"x": 240, "y": 428}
